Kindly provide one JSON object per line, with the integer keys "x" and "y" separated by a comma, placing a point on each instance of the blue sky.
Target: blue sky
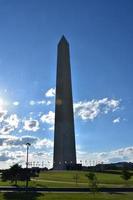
{"x": 100, "y": 33}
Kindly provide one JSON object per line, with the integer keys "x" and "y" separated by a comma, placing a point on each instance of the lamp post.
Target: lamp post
{"x": 27, "y": 160}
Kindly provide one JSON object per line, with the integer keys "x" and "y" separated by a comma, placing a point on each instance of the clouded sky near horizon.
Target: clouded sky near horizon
{"x": 100, "y": 34}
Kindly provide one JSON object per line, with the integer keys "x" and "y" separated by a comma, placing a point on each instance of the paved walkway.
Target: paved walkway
{"x": 50, "y": 181}
{"x": 60, "y": 190}
{"x": 78, "y": 183}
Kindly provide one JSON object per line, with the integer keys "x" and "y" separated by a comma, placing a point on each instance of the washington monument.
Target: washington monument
{"x": 64, "y": 135}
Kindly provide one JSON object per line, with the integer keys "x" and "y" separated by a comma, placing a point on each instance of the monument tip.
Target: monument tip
{"x": 63, "y": 39}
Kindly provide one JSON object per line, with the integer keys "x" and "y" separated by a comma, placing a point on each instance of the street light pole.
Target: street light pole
{"x": 27, "y": 162}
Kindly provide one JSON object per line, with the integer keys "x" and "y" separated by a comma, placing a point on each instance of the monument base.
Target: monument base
{"x": 68, "y": 167}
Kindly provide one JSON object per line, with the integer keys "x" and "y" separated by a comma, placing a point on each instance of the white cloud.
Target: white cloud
{"x": 46, "y": 143}
{"x": 5, "y": 130}
{"x": 9, "y": 141}
{"x": 3, "y": 113}
{"x": 42, "y": 158}
{"x": 113, "y": 104}
{"x": 16, "y": 103}
{"x": 9, "y": 124}
{"x": 12, "y": 148}
{"x": 89, "y": 110}
{"x": 12, "y": 121}
{"x": 118, "y": 155}
{"x": 31, "y": 125}
{"x": 8, "y": 158}
{"x": 41, "y": 102}
{"x": 19, "y": 141}
{"x": 50, "y": 92}
{"x": 48, "y": 103}
{"x": 32, "y": 102}
{"x": 48, "y": 118}
{"x": 4, "y": 156}
{"x": 117, "y": 120}
{"x": 40, "y": 114}
{"x": 51, "y": 128}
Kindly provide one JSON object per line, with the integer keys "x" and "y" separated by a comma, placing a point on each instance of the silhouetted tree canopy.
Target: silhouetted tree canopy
{"x": 126, "y": 175}
{"x": 17, "y": 173}
{"x": 93, "y": 183}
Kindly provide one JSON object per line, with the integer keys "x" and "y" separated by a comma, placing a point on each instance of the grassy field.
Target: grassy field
{"x": 64, "y": 196}
{"x": 66, "y": 179}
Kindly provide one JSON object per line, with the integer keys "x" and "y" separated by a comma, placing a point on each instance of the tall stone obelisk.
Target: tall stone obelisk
{"x": 64, "y": 135}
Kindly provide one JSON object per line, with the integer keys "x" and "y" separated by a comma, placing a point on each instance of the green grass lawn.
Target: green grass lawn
{"x": 64, "y": 196}
{"x": 66, "y": 179}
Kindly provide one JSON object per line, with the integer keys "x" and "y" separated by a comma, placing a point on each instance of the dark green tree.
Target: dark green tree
{"x": 12, "y": 174}
{"x": 16, "y": 172}
{"x": 76, "y": 178}
{"x": 93, "y": 183}
{"x": 125, "y": 175}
